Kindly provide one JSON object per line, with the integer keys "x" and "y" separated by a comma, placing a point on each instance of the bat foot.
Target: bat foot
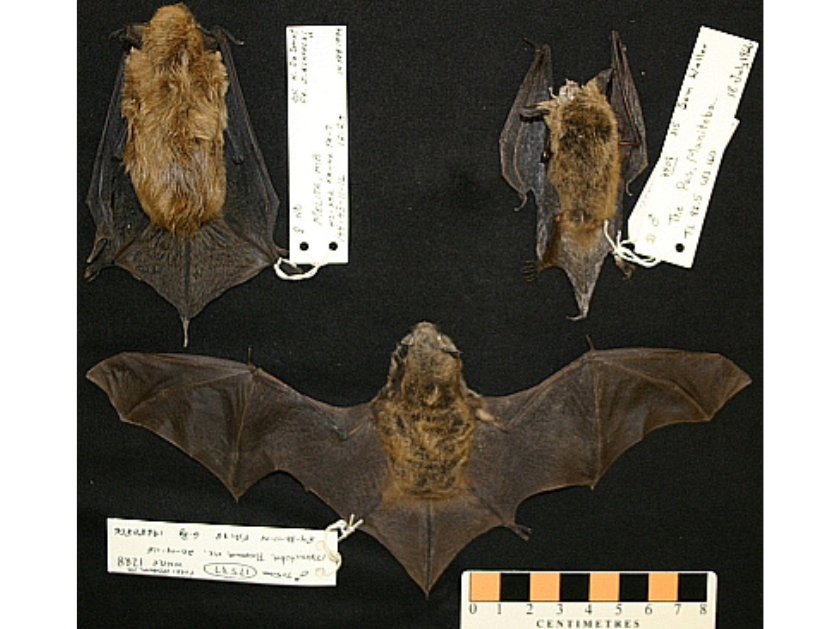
{"x": 626, "y": 268}
{"x": 523, "y": 532}
{"x": 530, "y": 270}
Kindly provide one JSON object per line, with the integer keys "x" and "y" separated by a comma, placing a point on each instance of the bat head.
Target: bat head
{"x": 425, "y": 365}
{"x": 172, "y": 30}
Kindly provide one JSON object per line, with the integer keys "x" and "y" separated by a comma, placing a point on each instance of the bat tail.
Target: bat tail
{"x": 185, "y": 325}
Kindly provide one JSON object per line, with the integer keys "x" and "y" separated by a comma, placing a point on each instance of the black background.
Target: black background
{"x": 434, "y": 237}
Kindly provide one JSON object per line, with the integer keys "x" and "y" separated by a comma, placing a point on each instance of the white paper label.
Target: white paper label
{"x": 252, "y": 554}
{"x": 667, "y": 219}
{"x": 318, "y": 145}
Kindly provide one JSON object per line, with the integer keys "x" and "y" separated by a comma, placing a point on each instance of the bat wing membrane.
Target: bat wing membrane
{"x": 243, "y": 424}
{"x": 523, "y": 140}
{"x": 188, "y": 272}
{"x": 571, "y": 428}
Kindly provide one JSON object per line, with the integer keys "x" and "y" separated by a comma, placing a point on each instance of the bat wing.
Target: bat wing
{"x": 523, "y": 144}
{"x": 565, "y": 431}
{"x": 627, "y": 107}
{"x": 187, "y": 272}
{"x": 113, "y": 205}
{"x": 243, "y": 424}
{"x": 571, "y": 428}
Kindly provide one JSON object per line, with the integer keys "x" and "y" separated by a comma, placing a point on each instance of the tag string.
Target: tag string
{"x": 345, "y": 529}
{"x": 296, "y": 276}
{"x": 622, "y": 251}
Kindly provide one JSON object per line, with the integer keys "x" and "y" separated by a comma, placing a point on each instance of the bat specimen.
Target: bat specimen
{"x": 428, "y": 464}
{"x": 180, "y": 193}
{"x": 577, "y": 151}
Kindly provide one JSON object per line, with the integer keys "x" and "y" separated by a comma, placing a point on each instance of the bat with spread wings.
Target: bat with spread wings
{"x": 180, "y": 193}
{"x": 434, "y": 463}
{"x": 576, "y": 151}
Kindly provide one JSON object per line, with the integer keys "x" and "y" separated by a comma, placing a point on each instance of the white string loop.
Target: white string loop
{"x": 621, "y": 251}
{"x": 345, "y": 529}
{"x": 297, "y": 276}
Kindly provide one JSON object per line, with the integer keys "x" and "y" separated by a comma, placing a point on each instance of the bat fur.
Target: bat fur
{"x": 428, "y": 464}
{"x": 585, "y": 164}
{"x": 577, "y": 151}
{"x": 426, "y": 416}
{"x": 174, "y": 105}
{"x": 180, "y": 192}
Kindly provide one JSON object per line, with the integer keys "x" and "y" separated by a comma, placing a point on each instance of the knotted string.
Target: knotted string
{"x": 622, "y": 251}
{"x": 345, "y": 529}
{"x": 297, "y": 276}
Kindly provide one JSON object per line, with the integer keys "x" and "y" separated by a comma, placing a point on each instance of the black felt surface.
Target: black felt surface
{"x": 434, "y": 237}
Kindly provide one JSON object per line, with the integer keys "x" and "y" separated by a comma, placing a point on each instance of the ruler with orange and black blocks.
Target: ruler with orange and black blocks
{"x": 588, "y": 600}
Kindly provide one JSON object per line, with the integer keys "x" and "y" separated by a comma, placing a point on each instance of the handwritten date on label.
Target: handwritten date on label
{"x": 318, "y": 145}
{"x": 668, "y": 217}
{"x": 222, "y": 553}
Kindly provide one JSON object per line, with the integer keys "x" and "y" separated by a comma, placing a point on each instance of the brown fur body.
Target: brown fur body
{"x": 173, "y": 102}
{"x": 426, "y": 416}
{"x": 585, "y": 160}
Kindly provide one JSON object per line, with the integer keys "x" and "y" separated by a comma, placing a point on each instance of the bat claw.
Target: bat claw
{"x": 626, "y": 268}
{"x": 522, "y": 531}
{"x": 530, "y": 270}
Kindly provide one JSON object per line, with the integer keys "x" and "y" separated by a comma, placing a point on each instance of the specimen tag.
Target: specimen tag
{"x": 667, "y": 219}
{"x": 318, "y": 145}
{"x": 251, "y": 554}
{"x": 574, "y": 600}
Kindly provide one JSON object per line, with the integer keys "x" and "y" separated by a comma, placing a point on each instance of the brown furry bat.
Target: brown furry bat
{"x": 427, "y": 464}
{"x": 180, "y": 192}
{"x": 585, "y": 159}
{"x": 576, "y": 151}
{"x": 426, "y": 416}
{"x": 173, "y": 103}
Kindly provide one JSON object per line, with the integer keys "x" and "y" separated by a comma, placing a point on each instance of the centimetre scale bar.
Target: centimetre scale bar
{"x": 588, "y": 600}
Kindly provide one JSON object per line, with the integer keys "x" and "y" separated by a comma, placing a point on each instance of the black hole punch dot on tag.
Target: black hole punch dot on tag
{"x": 304, "y": 246}
{"x": 333, "y": 246}
{"x": 680, "y": 247}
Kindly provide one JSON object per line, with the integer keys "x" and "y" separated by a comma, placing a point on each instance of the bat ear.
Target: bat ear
{"x": 601, "y": 81}
{"x": 451, "y": 350}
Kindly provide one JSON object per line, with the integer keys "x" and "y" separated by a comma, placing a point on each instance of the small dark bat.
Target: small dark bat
{"x": 180, "y": 193}
{"x": 577, "y": 151}
{"x": 428, "y": 464}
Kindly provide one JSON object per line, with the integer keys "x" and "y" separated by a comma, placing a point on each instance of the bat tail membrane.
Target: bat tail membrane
{"x": 426, "y": 535}
{"x": 188, "y": 271}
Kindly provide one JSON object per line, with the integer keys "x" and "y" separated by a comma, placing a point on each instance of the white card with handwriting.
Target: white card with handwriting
{"x": 251, "y": 554}
{"x": 667, "y": 219}
{"x": 318, "y": 149}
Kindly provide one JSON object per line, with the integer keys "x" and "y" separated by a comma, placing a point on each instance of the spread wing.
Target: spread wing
{"x": 571, "y": 428}
{"x": 243, "y": 424}
{"x": 187, "y": 272}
